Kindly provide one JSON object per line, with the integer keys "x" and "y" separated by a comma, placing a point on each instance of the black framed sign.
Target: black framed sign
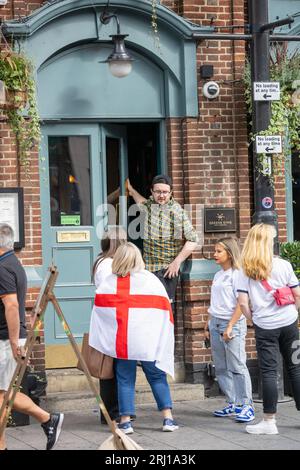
{"x": 12, "y": 212}
{"x": 219, "y": 219}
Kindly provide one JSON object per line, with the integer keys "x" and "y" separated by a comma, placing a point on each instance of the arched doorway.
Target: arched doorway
{"x": 97, "y": 130}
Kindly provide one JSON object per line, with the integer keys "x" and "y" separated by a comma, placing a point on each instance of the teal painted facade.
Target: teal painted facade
{"x": 78, "y": 97}
{"x": 87, "y": 90}
{"x": 59, "y": 35}
{"x": 281, "y": 9}
{"x": 67, "y": 42}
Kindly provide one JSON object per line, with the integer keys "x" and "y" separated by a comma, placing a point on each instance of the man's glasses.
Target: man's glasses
{"x": 163, "y": 193}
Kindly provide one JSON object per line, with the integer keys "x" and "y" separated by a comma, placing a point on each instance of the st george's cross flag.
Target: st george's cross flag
{"x": 132, "y": 319}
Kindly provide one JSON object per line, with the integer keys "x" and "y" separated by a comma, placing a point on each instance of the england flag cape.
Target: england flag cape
{"x": 132, "y": 319}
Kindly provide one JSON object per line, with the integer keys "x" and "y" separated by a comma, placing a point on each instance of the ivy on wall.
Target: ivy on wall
{"x": 285, "y": 114}
{"x": 16, "y": 73}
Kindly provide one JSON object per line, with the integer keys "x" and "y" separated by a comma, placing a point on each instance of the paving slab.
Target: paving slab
{"x": 199, "y": 430}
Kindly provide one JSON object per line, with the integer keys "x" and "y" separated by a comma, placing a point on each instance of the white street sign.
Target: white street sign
{"x": 266, "y": 91}
{"x": 268, "y": 144}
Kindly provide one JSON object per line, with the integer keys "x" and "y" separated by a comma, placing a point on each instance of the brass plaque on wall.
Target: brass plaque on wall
{"x": 72, "y": 237}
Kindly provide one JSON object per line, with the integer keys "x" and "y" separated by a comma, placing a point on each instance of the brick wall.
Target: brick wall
{"x": 210, "y": 155}
{"x": 207, "y": 156}
{"x": 13, "y": 175}
{"x": 16, "y": 8}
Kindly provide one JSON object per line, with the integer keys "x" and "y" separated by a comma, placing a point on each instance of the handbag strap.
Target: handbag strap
{"x": 267, "y": 285}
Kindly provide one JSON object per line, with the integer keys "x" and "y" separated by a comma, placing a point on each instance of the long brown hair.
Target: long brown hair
{"x": 232, "y": 248}
{"x": 110, "y": 242}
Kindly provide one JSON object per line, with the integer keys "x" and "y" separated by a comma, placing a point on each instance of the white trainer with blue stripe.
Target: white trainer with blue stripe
{"x": 246, "y": 415}
{"x": 229, "y": 410}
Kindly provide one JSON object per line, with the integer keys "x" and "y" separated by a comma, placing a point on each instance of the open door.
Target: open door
{"x": 70, "y": 193}
{"x": 84, "y": 167}
{"x": 114, "y": 145}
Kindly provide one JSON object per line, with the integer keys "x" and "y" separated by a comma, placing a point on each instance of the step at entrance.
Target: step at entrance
{"x": 84, "y": 400}
{"x": 68, "y": 390}
{"x": 73, "y": 380}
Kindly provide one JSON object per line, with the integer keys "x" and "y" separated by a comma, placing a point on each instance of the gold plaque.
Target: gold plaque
{"x": 71, "y": 237}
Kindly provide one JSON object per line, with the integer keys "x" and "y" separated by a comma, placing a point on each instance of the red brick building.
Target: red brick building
{"x": 205, "y": 142}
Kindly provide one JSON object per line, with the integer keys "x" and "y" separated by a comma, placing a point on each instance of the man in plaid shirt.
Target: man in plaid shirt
{"x": 169, "y": 237}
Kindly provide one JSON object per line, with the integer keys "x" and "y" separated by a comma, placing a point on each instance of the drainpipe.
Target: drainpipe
{"x": 182, "y": 293}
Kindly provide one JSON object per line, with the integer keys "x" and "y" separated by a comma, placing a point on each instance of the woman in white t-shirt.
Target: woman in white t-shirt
{"x": 276, "y": 326}
{"x": 226, "y": 327}
{"x": 110, "y": 242}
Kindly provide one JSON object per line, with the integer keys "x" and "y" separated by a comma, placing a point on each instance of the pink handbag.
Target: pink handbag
{"x": 282, "y": 295}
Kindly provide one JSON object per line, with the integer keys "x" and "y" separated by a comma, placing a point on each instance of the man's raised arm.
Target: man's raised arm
{"x": 138, "y": 199}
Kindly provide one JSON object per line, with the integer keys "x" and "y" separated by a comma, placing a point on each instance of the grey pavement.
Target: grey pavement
{"x": 199, "y": 430}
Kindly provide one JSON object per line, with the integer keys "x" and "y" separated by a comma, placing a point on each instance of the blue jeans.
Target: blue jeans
{"x": 230, "y": 361}
{"x": 126, "y": 376}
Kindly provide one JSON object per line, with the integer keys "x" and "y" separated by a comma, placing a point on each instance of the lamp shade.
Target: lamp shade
{"x": 120, "y": 68}
{"x": 120, "y": 61}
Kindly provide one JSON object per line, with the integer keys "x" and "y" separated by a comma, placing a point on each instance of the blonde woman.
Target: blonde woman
{"x": 226, "y": 327}
{"x": 132, "y": 320}
{"x": 110, "y": 242}
{"x": 276, "y": 326}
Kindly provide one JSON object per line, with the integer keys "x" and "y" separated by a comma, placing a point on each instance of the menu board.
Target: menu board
{"x": 12, "y": 212}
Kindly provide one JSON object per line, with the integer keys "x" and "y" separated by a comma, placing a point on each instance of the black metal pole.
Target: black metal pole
{"x": 282, "y": 38}
{"x": 242, "y": 37}
{"x": 260, "y": 72}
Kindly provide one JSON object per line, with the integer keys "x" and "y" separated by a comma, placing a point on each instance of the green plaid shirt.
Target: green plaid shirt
{"x": 166, "y": 227}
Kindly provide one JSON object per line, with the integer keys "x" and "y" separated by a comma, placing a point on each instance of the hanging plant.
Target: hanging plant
{"x": 285, "y": 114}
{"x": 154, "y": 24}
{"x": 20, "y": 107}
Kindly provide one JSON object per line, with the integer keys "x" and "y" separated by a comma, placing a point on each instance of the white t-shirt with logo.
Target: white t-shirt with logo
{"x": 223, "y": 298}
{"x": 265, "y": 312}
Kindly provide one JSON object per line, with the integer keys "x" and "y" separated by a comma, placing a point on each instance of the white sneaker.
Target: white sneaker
{"x": 267, "y": 426}
{"x": 169, "y": 425}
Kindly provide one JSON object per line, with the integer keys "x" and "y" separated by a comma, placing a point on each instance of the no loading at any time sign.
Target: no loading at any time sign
{"x": 266, "y": 91}
{"x": 268, "y": 144}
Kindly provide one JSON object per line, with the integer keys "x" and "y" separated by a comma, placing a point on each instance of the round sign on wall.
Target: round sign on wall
{"x": 267, "y": 202}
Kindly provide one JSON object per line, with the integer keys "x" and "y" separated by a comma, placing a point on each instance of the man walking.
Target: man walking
{"x": 13, "y": 286}
{"x": 169, "y": 237}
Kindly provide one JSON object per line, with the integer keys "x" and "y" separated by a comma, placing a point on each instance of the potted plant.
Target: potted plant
{"x": 16, "y": 74}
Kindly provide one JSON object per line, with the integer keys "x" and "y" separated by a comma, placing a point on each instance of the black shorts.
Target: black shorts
{"x": 170, "y": 284}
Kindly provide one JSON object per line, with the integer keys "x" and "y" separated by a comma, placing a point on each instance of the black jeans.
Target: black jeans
{"x": 268, "y": 345}
{"x": 170, "y": 284}
{"x": 109, "y": 395}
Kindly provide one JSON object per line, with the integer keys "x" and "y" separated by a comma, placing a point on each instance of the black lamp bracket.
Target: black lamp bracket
{"x": 105, "y": 18}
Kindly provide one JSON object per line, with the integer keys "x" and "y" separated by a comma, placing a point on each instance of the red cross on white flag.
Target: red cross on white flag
{"x": 132, "y": 319}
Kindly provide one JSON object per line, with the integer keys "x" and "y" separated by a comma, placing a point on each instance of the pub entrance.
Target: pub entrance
{"x": 86, "y": 164}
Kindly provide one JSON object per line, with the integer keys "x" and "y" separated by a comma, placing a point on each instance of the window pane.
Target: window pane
{"x": 70, "y": 185}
